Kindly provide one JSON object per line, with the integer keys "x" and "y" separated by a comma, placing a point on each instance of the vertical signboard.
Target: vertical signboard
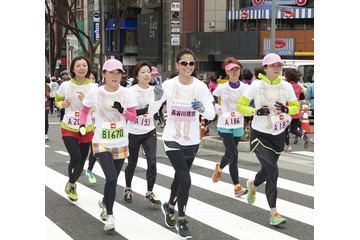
{"x": 175, "y": 25}
{"x": 96, "y": 28}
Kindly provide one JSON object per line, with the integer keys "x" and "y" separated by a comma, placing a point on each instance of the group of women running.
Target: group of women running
{"x": 124, "y": 121}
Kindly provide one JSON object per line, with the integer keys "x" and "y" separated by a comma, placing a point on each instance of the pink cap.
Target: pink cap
{"x": 231, "y": 66}
{"x": 272, "y": 58}
{"x": 154, "y": 70}
{"x": 113, "y": 64}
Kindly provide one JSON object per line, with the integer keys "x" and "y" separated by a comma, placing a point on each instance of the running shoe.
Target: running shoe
{"x": 182, "y": 229}
{"x": 103, "y": 214}
{"x": 90, "y": 176}
{"x": 169, "y": 215}
{"x": 127, "y": 195}
{"x": 296, "y": 140}
{"x": 217, "y": 175}
{"x": 288, "y": 149}
{"x": 251, "y": 196}
{"x": 276, "y": 219}
{"x": 151, "y": 198}
{"x": 46, "y": 138}
{"x": 110, "y": 223}
{"x": 71, "y": 192}
{"x": 305, "y": 139}
{"x": 239, "y": 191}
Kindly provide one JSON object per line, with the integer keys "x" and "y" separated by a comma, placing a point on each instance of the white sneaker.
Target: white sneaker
{"x": 287, "y": 149}
{"x": 110, "y": 223}
{"x": 46, "y": 138}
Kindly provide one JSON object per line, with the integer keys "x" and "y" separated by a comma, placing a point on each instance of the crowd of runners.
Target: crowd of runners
{"x": 114, "y": 122}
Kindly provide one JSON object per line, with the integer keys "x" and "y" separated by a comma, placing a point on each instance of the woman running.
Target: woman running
{"x": 70, "y": 96}
{"x": 113, "y": 105}
{"x": 186, "y": 97}
{"x": 142, "y": 132}
{"x": 271, "y": 117}
{"x": 230, "y": 124}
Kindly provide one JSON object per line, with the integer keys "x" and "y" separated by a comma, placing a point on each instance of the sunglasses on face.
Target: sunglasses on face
{"x": 185, "y": 63}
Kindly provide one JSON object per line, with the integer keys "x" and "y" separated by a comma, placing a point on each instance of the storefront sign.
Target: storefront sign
{"x": 283, "y": 46}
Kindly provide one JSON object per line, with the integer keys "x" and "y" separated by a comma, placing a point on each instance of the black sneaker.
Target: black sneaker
{"x": 151, "y": 198}
{"x": 169, "y": 215}
{"x": 127, "y": 195}
{"x": 183, "y": 230}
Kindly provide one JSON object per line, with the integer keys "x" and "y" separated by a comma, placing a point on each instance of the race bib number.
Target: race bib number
{"x": 280, "y": 122}
{"x": 73, "y": 119}
{"x": 233, "y": 120}
{"x": 144, "y": 122}
{"x": 182, "y": 113}
{"x": 112, "y": 131}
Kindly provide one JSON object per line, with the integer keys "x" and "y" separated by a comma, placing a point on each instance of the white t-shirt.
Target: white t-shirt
{"x": 143, "y": 123}
{"x": 111, "y": 130}
{"x": 69, "y": 90}
{"x": 265, "y": 94}
{"x": 229, "y": 98}
{"x": 183, "y": 125}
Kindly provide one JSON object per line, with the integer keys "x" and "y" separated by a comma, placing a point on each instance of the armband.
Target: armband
{"x": 59, "y": 104}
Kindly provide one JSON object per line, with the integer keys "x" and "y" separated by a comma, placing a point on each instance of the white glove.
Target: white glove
{"x": 217, "y": 109}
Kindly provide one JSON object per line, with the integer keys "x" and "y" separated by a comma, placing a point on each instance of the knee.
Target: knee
{"x": 186, "y": 180}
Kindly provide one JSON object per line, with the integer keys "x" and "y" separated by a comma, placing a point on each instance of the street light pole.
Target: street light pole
{"x": 273, "y": 20}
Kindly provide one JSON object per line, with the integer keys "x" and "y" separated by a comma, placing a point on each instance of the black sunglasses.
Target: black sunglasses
{"x": 185, "y": 63}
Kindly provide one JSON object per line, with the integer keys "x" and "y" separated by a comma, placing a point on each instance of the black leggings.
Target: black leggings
{"x": 231, "y": 155}
{"x": 46, "y": 121}
{"x": 149, "y": 143}
{"x": 269, "y": 173}
{"x": 92, "y": 159}
{"x": 78, "y": 154}
{"x": 181, "y": 161}
{"x": 111, "y": 169}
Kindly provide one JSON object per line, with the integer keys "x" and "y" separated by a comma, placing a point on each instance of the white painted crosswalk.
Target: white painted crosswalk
{"x": 235, "y": 226}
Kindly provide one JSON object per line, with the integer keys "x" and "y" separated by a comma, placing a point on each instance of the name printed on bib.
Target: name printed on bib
{"x": 280, "y": 122}
{"x": 233, "y": 120}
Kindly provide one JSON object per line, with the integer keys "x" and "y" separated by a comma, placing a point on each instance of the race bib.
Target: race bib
{"x": 233, "y": 120}
{"x": 92, "y": 115}
{"x": 72, "y": 119}
{"x": 183, "y": 113}
{"x": 112, "y": 131}
{"x": 280, "y": 122}
{"x": 144, "y": 122}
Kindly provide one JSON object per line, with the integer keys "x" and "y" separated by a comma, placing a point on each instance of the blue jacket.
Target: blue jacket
{"x": 310, "y": 94}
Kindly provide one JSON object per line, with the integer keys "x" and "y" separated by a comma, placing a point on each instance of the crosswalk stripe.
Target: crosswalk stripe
{"x": 63, "y": 153}
{"x": 247, "y": 174}
{"x": 53, "y": 232}
{"x": 292, "y": 210}
{"x": 234, "y": 225}
{"x": 124, "y": 225}
{"x": 305, "y": 153}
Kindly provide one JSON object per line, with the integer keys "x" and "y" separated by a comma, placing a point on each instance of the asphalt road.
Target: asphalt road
{"x": 213, "y": 212}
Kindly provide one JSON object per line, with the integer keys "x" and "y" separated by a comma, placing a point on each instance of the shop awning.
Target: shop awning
{"x": 264, "y": 12}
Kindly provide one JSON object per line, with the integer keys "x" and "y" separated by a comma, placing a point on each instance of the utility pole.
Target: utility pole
{"x": 102, "y": 32}
{"x": 273, "y": 20}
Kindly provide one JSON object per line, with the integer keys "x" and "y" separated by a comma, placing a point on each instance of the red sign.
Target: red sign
{"x": 301, "y": 2}
{"x": 232, "y": 114}
{"x": 77, "y": 114}
{"x": 279, "y": 44}
{"x": 113, "y": 125}
{"x": 244, "y": 15}
{"x": 257, "y": 2}
{"x": 281, "y": 117}
{"x": 288, "y": 14}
